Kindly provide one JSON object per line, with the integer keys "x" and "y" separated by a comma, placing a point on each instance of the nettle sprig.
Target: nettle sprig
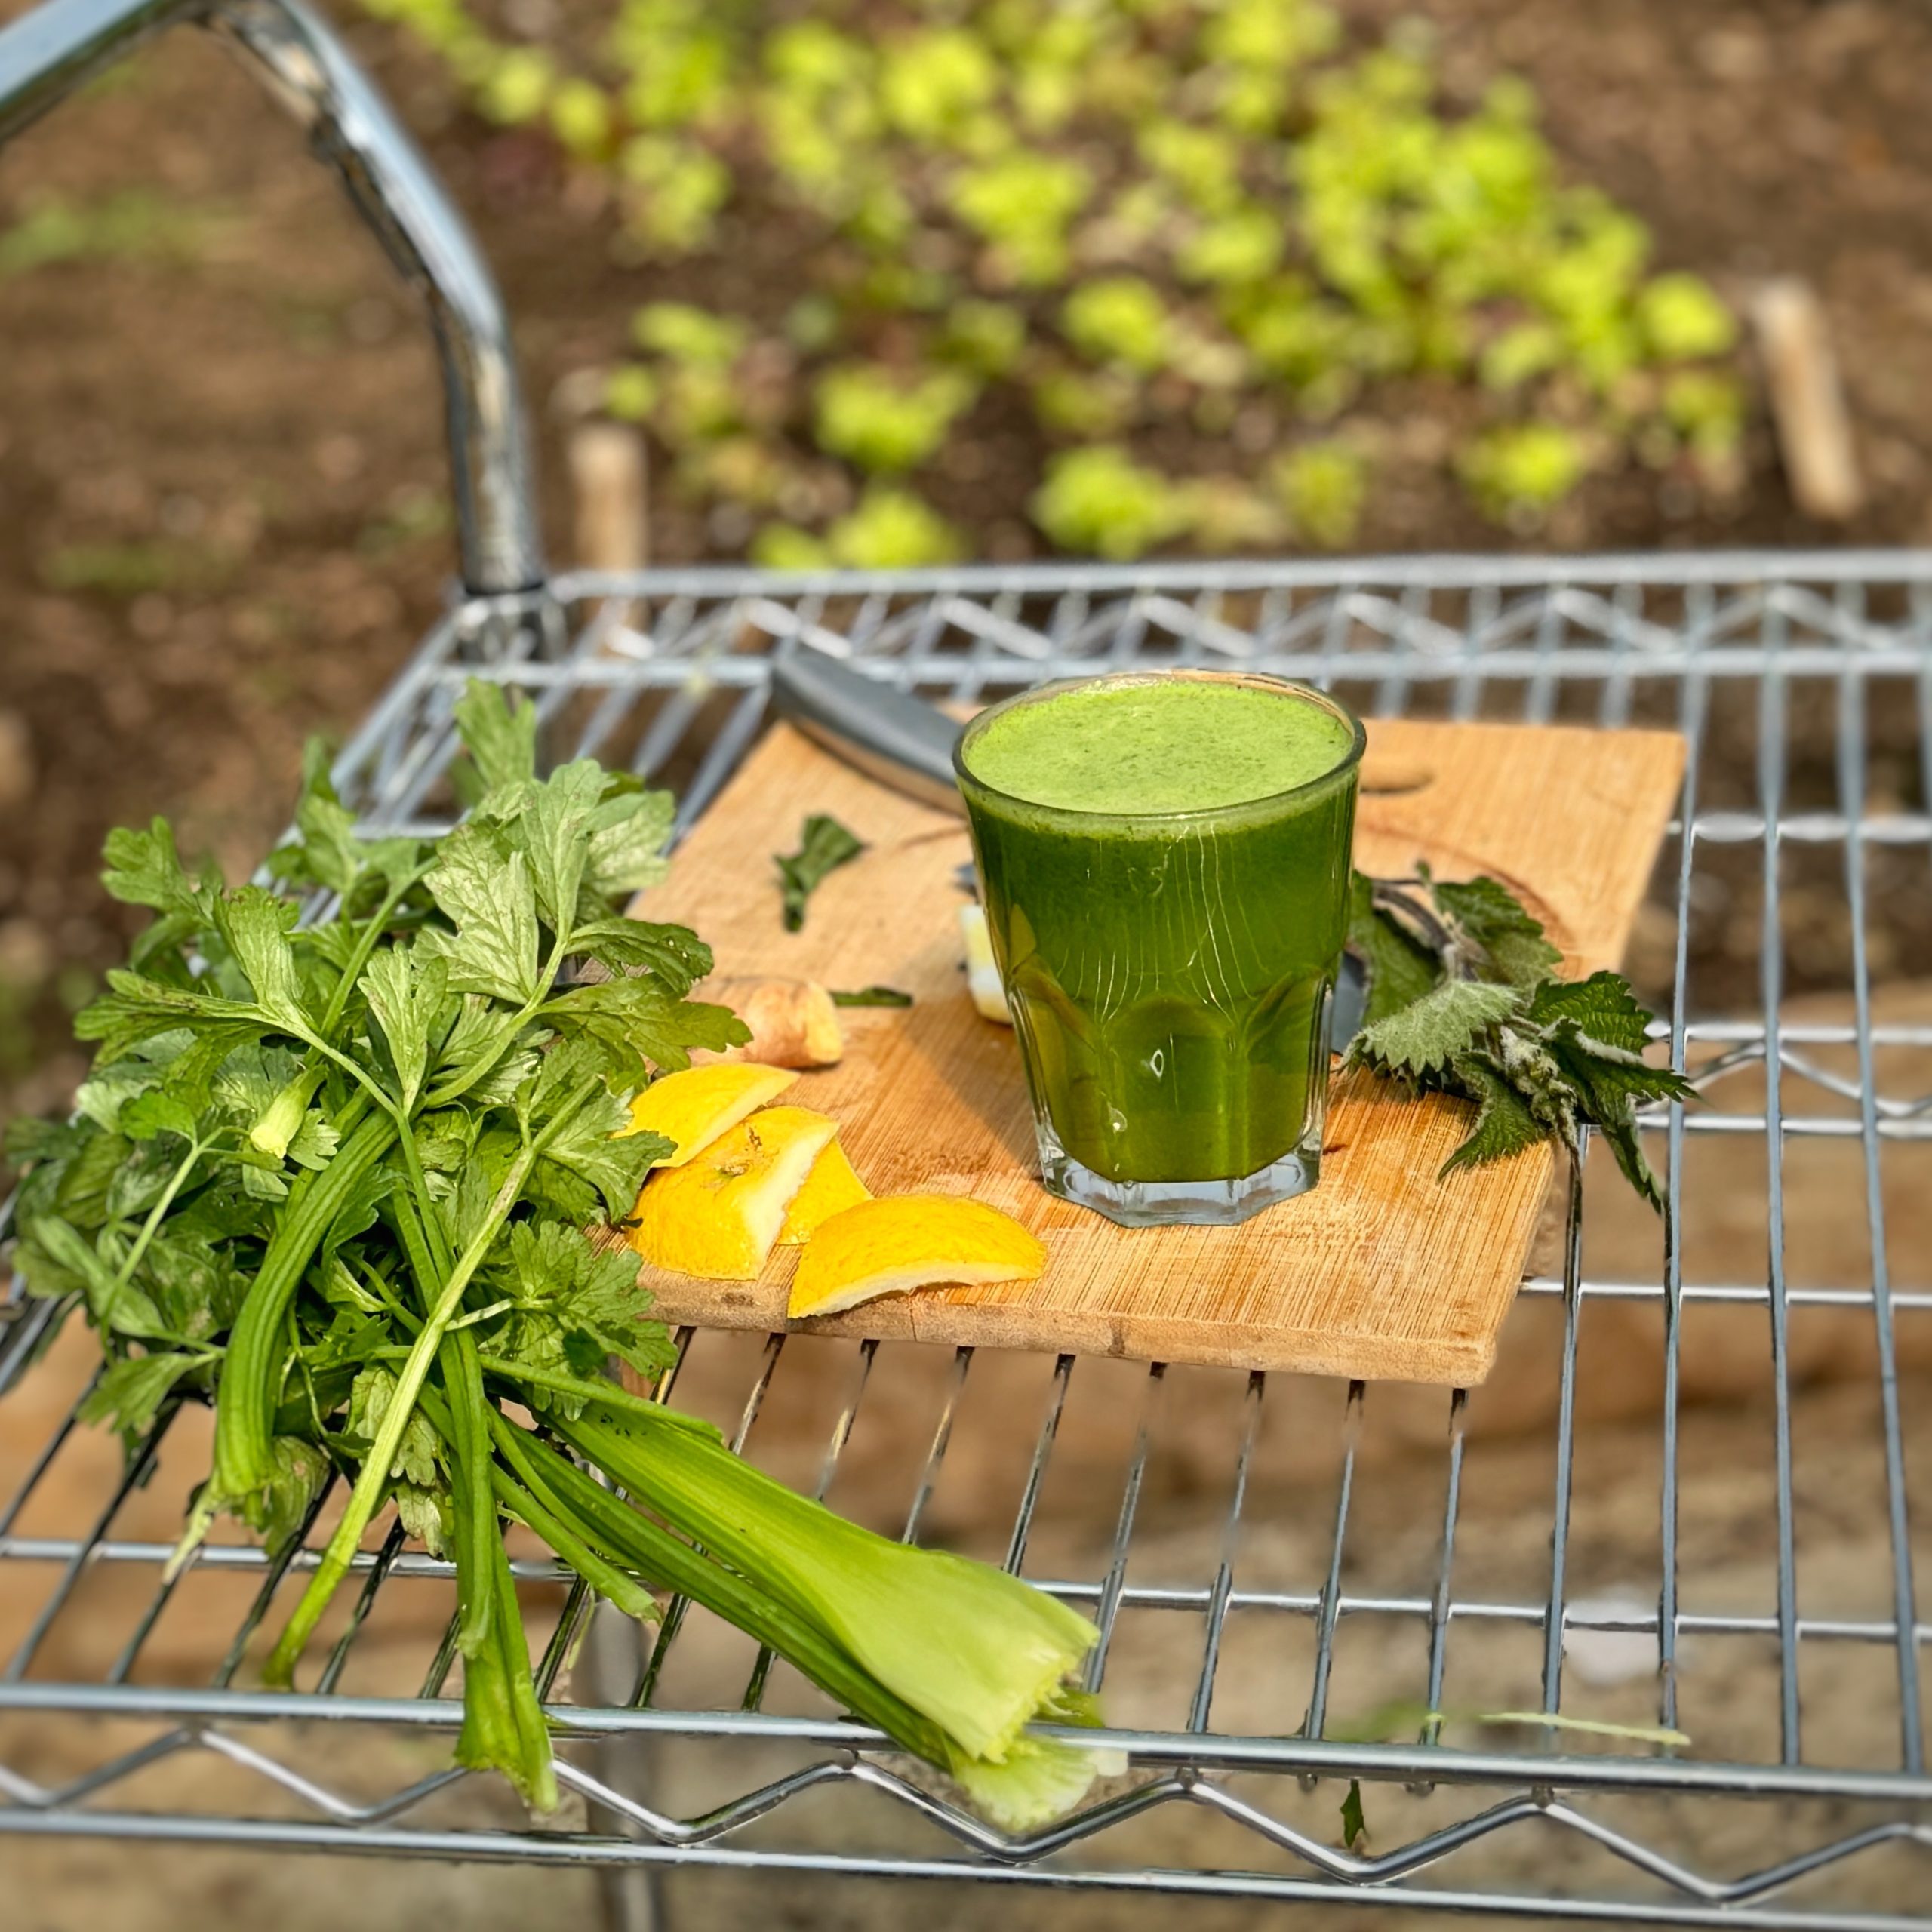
{"x": 1464, "y": 999}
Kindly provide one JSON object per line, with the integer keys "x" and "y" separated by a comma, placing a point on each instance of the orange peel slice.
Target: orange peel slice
{"x": 832, "y": 1187}
{"x": 693, "y": 1109}
{"x": 719, "y": 1215}
{"x": 906, "y": 1241}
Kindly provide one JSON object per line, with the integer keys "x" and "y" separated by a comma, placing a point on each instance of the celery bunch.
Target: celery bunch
{"x": 335, "y": 1177}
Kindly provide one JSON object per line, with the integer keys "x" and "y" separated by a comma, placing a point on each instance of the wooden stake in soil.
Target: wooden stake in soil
{"x": 608, "y": 477}
{"x": 1807, "y": 400}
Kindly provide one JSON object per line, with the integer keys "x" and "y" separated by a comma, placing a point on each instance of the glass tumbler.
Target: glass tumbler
{"x": 1170, "y": 974}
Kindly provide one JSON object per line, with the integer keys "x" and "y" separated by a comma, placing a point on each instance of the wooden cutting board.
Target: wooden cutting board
{"x": 1382, "y": 1271}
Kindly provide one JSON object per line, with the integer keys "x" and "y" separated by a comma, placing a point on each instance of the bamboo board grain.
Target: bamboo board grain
{"x": 1382, "y": 1272}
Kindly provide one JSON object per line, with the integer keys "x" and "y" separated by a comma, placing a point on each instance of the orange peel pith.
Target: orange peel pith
{"x": 909, "y": 1240}
{"x": 693, "y": 1109}
{"x": 719, "y": 1215}
{"x": 832, "y": 1187}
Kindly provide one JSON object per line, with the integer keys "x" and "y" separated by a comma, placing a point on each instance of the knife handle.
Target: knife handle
{"x": 890, "y": 735}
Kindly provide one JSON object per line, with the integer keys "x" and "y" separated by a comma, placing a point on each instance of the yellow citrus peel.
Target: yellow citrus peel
{"x": 719, "y": 1215}
{"x": 831, "y": 1186}
{"x": 909, "y": 1240}
{"x": 693, "y": 1109}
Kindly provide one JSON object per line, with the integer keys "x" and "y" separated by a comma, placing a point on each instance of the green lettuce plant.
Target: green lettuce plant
{"x": 1224, "y": 210}
{"x": 875, "y": 419}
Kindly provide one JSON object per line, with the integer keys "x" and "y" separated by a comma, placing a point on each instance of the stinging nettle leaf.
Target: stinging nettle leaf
{"x": 1491, "y": 914}
{"x": 1618, "y": 1126}
{"x": 1424, "y": 1037}
{"x": 1399, "y": 969}
{"x": 1603, "y": 1006}
{"x": 824, "y": 846}
{"x": 1504, "y": 1123}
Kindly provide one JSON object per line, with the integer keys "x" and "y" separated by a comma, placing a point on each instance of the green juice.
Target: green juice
{"x": 1165, "y": 860}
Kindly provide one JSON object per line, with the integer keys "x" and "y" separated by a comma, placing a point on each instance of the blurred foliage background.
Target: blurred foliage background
{"x": 1161, "y": 266}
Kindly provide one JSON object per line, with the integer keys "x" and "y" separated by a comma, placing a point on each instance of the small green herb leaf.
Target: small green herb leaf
{"x": 629, "y": 833}
{"x": 824, "y": 845}
{"x": 424, "y": 1514}
{"x": 153, "y": 1113}
{"x": 574, "y": 1307}
{"x": 256, "y": 923}
{"x": 144, "y": 869}
{"x": 490, "y": 901}
{"x": 674, "y": 956}
{"x": 406, "y": 989}
{"x": 278, "y": 1509}
{"x": 58, "y": 1259}
{"x": 873, "y": 996}
{"x": 638, "y": 1023}
{"x": 136, "y": 1008}
{"x": 1355, "y": 1827}
{"x": 609, "y": 1164}
{"x": 551, "y": 827}
{"x": 130, "y": 1394}
{"x": 499, "y": 729}
{"x": 419, "y": 1459}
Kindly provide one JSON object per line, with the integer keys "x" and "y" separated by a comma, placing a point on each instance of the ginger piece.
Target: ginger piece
{"x": 793, "y": 1021}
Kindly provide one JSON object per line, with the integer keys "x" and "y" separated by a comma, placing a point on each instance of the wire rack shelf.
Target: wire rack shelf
{"x": 1683, "y": 1504}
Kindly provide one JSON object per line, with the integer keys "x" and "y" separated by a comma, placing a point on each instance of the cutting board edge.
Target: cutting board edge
{"x": 1448, "y": 1363}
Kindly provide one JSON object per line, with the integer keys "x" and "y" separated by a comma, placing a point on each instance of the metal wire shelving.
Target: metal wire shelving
{"x": 1273, "y": 1560}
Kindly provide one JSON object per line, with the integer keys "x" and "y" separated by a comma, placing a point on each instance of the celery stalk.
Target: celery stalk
{"x": 975, "y": 1650}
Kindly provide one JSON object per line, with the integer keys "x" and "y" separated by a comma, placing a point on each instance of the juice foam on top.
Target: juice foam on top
{"x": 1158, "y": 745}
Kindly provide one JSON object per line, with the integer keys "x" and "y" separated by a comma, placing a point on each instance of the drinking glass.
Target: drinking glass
{"x": 1169, "y": 975}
